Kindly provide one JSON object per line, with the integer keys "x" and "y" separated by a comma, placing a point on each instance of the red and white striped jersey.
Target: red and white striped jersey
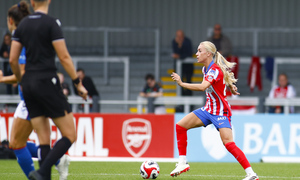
{"x": 216, "y": 101}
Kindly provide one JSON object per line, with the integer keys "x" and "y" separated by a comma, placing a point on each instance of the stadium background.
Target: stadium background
{"x": 194, "y": 17}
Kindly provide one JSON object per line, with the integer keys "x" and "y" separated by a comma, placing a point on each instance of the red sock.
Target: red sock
{"x": 238, "y": 154}
{"x": 181, "y": 140}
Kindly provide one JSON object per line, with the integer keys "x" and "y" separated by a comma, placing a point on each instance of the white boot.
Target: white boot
{"x": 63, "y": 167}
{"x": 180, "y": 168}
{"x": 251, "y": 176}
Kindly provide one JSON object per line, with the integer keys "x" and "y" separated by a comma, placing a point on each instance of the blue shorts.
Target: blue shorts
{"x": 207, "y": 119}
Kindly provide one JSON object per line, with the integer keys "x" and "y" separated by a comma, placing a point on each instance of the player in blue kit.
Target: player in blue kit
{"x": 22, "y": 128}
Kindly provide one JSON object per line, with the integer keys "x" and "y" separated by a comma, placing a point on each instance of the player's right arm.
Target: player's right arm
{"x": 194, "y": 87}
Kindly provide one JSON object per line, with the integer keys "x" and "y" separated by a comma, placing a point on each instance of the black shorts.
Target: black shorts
{"x": 44, "y": 96}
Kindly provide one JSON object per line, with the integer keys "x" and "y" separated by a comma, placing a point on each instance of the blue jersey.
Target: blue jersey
{"x": 22, "y": 60}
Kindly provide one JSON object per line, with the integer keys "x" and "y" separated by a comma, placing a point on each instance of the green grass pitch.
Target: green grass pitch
{"x": 10, "y": 170}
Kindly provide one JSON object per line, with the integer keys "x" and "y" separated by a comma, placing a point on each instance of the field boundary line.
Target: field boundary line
{"x": 121, "y": 159}
{"x": 194, "y": 175}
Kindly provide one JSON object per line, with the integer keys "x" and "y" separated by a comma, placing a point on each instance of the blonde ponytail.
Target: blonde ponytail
{"x": 226, "y": 69}
{"x": 221, "y": 62}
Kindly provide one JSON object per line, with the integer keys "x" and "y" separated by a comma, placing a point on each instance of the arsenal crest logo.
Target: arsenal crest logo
{"x": 136, "y": 135}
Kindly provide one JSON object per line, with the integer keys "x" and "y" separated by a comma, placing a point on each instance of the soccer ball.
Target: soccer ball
{"x": 149, "y": 170}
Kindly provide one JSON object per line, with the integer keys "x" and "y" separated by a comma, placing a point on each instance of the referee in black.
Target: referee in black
{"x": 42, "y": 37}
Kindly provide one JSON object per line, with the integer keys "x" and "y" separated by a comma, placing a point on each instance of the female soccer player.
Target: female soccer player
{"x": 21, "y": 127}
{"x": 217, "y": 75}
{"x": 41, "y": 36}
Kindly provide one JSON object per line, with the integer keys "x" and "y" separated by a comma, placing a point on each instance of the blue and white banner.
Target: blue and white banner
{"x": 259, "y": 136}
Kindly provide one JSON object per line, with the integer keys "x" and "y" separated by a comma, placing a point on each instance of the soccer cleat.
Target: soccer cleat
{"x": 63, "y": 167}
{"x": 180, "y": 168}
{"x": 34, "y": 175}
{"x": 251, "y": 177}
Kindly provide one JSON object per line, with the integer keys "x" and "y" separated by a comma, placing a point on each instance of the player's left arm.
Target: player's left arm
{"x": 67, "y": 63}
{"x": 11, "y": 79}
{"x": 234, "y": 89}
{"x": 15, "y": 51}
{"x": 194, "y": 87}
{"x": 64, "y": 57}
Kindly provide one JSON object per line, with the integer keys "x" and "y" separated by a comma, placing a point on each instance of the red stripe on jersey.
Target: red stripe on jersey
{"x": 216, "y": 101}
{"x": 219, "y": 105}
{"x": 226, "y": 109}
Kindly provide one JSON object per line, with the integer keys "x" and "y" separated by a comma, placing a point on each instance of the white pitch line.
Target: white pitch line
{"x": 195, "y": 175}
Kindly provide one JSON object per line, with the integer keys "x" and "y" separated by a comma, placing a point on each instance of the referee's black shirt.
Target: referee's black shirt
{"x": 37, "y": 32}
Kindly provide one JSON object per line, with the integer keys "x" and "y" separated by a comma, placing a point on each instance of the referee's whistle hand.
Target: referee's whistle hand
{"x": 82, "y": 91}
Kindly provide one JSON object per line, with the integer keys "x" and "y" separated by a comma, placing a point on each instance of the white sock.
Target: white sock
{"x": 182, "y": 159}
{"x": 249, "y": 170}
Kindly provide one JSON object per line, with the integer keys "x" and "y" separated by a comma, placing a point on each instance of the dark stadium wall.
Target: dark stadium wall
{"x": 193, "y": 16}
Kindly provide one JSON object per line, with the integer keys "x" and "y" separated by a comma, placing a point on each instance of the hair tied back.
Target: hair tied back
{"x": 19, "y": 5}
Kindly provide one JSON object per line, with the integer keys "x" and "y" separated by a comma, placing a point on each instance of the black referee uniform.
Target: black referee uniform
{"x": 41, "y": 87}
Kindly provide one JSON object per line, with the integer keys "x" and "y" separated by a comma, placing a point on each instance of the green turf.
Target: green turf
{"x": 9, "y": 169}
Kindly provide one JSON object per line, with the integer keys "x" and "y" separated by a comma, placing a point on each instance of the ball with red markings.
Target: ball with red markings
{"x": 149, "y": 170}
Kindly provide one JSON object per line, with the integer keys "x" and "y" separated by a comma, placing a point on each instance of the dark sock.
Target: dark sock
{"x": 59, "y": 149}
{"x": 43, "y": 151}
{"x": 33, "y": 150}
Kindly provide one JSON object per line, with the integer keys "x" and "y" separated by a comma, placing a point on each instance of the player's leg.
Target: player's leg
{"x": 33, "y": 148}
{"x": 52, "y": 103}
{"x": 39, "y": 121}
{"x": 188, "y": 122}
{"x": 42, "y": 127}
{"x": 39, "y": 152}
{"x": 62, "y": 165}
{"x": 24, "y": 131}
{"x": 227, "y": 139}
{"x": 67, "y": 128}
{"x": 21, "y": 129}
